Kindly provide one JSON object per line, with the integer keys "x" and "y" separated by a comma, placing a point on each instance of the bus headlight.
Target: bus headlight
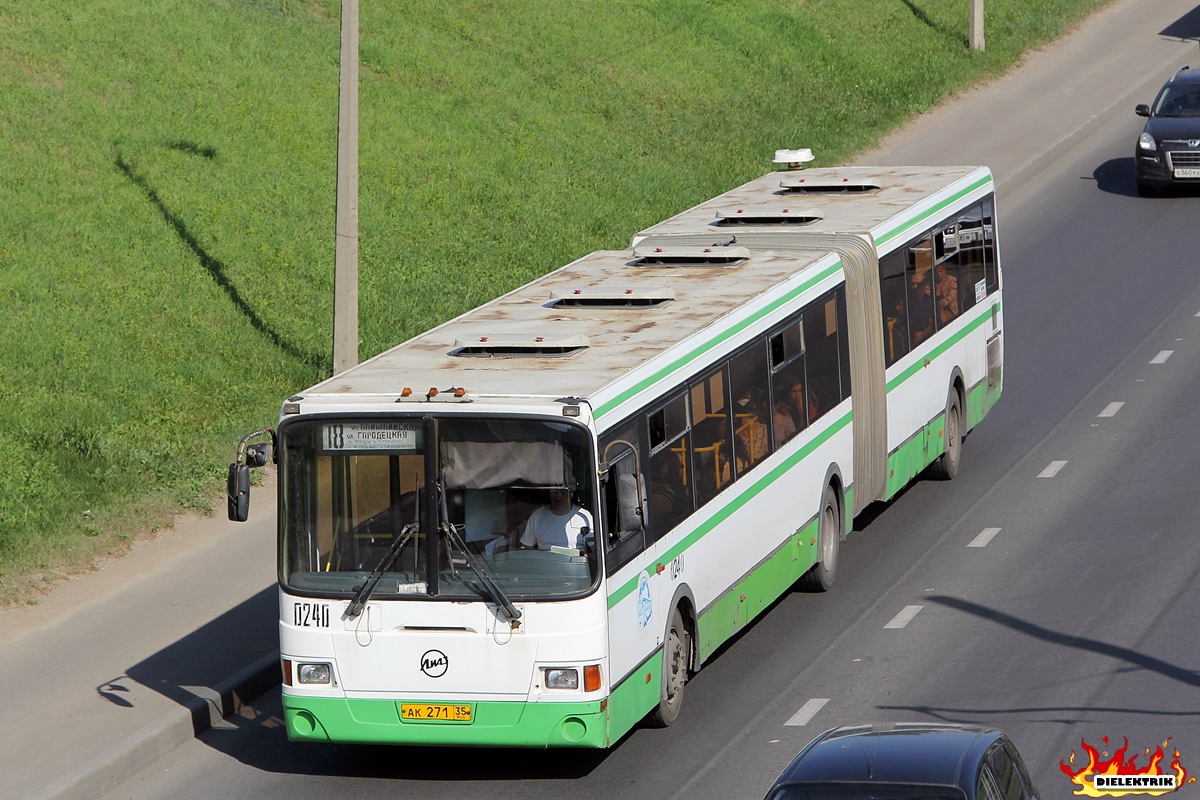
{"x": 1146, "y": 142}
{"x": 313, "y": 673}
{"x": 562, "y": 678}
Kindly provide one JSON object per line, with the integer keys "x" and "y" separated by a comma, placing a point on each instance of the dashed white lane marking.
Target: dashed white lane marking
{"x": 1110, "y": 410}
{"x": 904, "y": 617}
{"x": 982, "y": 539}
{"x": 1162, "y": 357}
{"x": 1052, "y": 470}
{"x": 807, "y": 712}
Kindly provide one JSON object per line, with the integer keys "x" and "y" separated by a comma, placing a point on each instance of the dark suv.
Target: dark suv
{"x": 1168, "y": 151}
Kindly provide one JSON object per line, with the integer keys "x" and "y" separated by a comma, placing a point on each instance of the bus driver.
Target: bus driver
{"x": 561, "y": 523}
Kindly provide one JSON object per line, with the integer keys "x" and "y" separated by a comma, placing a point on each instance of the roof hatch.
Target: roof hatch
{"x": 612, "y": 297}
{"x": 509, "y": 346}
{"x": 768, "y": 215}
{"x": 683, "y": 256}
{"x": 830, "y": 184}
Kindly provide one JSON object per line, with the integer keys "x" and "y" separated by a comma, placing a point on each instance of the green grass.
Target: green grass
{"x": 166, "y": 244}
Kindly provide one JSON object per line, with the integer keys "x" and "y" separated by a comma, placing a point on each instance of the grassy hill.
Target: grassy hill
{"x": 166, "y": 239}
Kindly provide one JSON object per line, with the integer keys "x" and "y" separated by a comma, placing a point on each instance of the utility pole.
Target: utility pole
{"x": 345, "y": 265}
{"x": 976, "y": 26}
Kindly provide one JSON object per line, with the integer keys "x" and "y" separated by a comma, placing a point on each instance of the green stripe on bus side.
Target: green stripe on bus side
{"x": 935, "y": 209}
{"x": 736, "y": 503}
{"x": 940, "y": 349}
{"x": 923, "y": 448}
{"x": 756, "y": 590}
{"x": 632, "y": 698}
{"x": 684, "y": 360}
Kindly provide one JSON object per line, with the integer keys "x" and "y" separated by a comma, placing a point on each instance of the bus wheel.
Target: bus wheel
{"x": 675, "y": 672}
{"x": 946, "y": 466}
{"x": 819, "y": 577}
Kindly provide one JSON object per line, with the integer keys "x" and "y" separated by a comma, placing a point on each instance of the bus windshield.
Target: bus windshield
{"x": 500, "y": 501}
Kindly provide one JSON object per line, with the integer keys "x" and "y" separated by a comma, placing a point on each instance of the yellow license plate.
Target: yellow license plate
{"x": 445, "y": 712}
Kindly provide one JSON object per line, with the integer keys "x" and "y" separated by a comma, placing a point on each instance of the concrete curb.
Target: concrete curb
{"x": 129, "y": 756}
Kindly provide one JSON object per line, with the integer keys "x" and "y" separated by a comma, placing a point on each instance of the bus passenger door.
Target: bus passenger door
{"x": 625, "y": 503}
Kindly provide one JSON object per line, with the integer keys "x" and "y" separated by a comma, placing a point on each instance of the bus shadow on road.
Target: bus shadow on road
{"x": 207, "y": 656}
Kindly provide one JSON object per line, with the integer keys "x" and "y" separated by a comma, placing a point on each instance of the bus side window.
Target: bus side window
{"x": 990, "y": 255}
{"x": 624, "y": 498}
{"x": 919, "y": 285}
{"x": 712, "y": 443}
{"x": 822, "y": 364}
{"x": 895, "y": 307}
{"x": 751, "y": 407}
{"x": 671, "y": 484}
{"x": 965, "y": 264}
{"x": 792, "y": 404}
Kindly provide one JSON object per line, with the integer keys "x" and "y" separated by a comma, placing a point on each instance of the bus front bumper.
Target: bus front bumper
{"x": 493, "y": 723}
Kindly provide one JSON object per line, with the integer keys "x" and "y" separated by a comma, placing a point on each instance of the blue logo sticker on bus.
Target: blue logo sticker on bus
{"x": 645, "y": 606}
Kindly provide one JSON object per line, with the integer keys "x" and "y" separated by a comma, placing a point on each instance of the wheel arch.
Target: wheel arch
{"x": 685, "y": 601}
{"x": 834, "y": 479}
{"x": 959, "y": 384}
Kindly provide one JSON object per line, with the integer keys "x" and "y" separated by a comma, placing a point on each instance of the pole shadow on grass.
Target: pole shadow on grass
{"x": 924, "y": 19}
{"x": 215, "y": 268}
{"x": 185, "y": 146}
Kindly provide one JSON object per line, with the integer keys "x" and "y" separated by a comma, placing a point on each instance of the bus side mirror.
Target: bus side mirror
{"x": 237, "y": 486}
{"x": 238, "y": 491}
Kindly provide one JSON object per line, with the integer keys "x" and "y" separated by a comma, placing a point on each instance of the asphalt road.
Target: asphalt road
{"x": 1074, "y": 622}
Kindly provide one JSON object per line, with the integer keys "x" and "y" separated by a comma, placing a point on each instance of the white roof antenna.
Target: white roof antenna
{"x": 793, "y": 159}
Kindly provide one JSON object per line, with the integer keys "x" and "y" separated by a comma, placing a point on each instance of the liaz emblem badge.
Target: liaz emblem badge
{"x": 434, "y": 663}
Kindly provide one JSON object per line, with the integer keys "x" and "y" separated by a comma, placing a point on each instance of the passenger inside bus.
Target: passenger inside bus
{"x": 920, "y": 305}
{"x": 947, "y": 294}
{"x": 793, "y": 412}
{"x": 753, "y": 439}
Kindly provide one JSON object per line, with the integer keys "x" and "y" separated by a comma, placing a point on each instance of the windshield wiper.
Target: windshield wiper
{"x": 481, "y": 571}
{"x": 359, "y": 601}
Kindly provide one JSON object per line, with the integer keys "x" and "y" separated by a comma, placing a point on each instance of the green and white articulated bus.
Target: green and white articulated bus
{"x": 719, "y": 401}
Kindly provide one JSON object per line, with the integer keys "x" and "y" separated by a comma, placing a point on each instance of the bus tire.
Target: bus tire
{"x": 946, "y": 465}
{"x": 676, "y": 654}
{"x": 819, "y": 577}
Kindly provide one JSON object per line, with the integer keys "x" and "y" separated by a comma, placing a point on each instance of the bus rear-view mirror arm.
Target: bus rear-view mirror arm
{"x": 237, "y": 488}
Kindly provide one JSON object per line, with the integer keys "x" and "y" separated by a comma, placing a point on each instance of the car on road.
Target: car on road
{"x": 907, "y": 761}
{"x": 1168, "y": 149}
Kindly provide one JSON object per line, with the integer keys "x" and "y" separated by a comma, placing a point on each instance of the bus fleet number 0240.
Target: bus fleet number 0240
{"x": 310, "y": 615}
